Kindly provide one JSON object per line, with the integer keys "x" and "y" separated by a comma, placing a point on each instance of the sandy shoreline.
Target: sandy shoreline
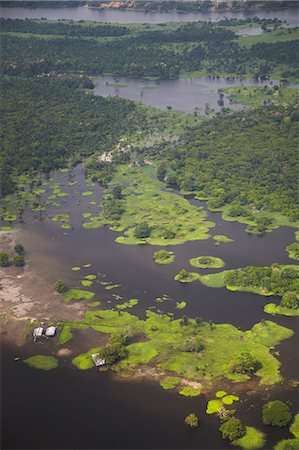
{"x": 25, "y": 297}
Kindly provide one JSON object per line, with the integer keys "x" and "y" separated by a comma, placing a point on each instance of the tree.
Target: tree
{"x": 60, "y": 286}
{"x": 4, "y": 261}
{"x": 287, "y": 444}
{"x": 142, "y": 231}
{"x": 276, "y": 413}
{"x": 193, "y": 344}
{"x": 19, "y": 249}
{"x": 289, "y": 300}
{"x": 191, "y": 420}
{"x": 19, "y": 261}
{"x": 116, "y": 192}
{"x": 246, "y": 363}
{"x": 232, "y": 429}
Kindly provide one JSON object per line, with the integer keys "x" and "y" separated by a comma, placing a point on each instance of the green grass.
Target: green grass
{"x": 169, "y": 382}
{"x": 220, "y": 394}
{"x": 229, "y": 399}
{"x": 84, "y": 361}
{"x": 294, "y": 428}
{"x": 42, "y": 362}
{"x": 271, "y": 36}
{"x": 65, "y": 335}
{"x": 86, "y": 283}
{"x": 166, "y": 339}
{"x": 255, "y": 95}
{"x": 214, "y": 406}
{"x": 207, "y": 262}
{"x": 117, "y": 85}
{"x": 76, "y": 268}
{"x": 189, "y": 391}
{"x": 78, "y": 294}
{"x": 273, "y": 309}
{"x": 253, "y": 439}
{"x": 86, "y": 193}
{"x": 145, "y": 201}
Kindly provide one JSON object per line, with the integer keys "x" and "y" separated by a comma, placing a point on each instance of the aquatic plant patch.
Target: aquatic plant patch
{"x": 42, "y": 362}
{"x": 207, "y": 262}
{"x": 78, "y": 294}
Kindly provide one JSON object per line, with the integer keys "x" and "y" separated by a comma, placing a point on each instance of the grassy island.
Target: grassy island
{"x": 274, "y": 280}
{"x": 163, "y": 257}
{"x": 253, "y": 439}
{"x": 42, "y": 362}
{"x": 184, "y": 349}
{"x": 207, "y": 262}
{"x": 148, "y": 215}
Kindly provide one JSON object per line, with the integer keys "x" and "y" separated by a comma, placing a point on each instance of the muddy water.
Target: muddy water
{"x": 68, "y": 408}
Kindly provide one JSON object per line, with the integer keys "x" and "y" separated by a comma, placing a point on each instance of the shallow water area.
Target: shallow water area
{"x": 184, "y": 94}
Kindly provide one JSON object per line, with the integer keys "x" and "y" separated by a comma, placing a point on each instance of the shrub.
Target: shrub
{"x": 246, "y": 363}
{"x": 142, "y": 231}
{"x": 287, "y": 444}
{"x": 276, "y": 413}
{"x": 289, "y": 300}
{"x": 19, "y": 261}
{"x": 232, "y": 429}
{"x": 4, "y": 261}
{"x": 191, "y": 420}
{"x": 19, "y": 249}
{"x": 60, "y": 286}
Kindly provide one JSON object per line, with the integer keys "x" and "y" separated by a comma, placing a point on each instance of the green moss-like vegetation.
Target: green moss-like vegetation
{"x": 189, "y": 391}
{"x": 207, "y": 262}
{"x": 273, "y": 309}
{"x": 169, "y": 382}
{"x": 294, "y": 428}
{"x": 76, "y": 268}
{"x": 181, "y": 305}
{"x": 229, "y": 399}
{"x": 86, "y": 283}
{"x": 163, "y": 257}
{"x": 214, "y": 406}
{"x": 6, "y": 228}
{"x": 78, "y": 294}
{"x": 86, "y": 193}
{"x": 61, "y": 218}
{"x": 10, "y": 218}
{"x": 220, "y": 394}
{"x": 253, "y": 439}
{"x": 65, "y": 334}
{"x": 168, "y": 218}
{"x": 196, "y": 351}
{"x": 287, "y": 444}
{"x": 221, "y": 239}
{"x": 42, "y": 362}
{"x": 90, "y": 277}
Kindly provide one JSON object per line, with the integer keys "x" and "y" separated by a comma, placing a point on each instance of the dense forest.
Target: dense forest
{"x": 47, "y": 122}
{"x": 163, "y": 51}
{"x": 248, "y": 159}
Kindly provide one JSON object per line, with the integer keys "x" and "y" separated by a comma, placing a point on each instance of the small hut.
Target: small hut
{"x": 98, "y": 361}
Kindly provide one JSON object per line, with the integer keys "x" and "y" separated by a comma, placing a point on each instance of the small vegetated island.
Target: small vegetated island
{"x": 277, "y": 280}
{"x": 207, "y": 262}
{"x": 163, "y": 257}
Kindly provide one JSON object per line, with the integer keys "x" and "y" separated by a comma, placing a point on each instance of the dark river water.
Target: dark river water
{"x": 83, "y": 13}
{"x": 67, "y": 408}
